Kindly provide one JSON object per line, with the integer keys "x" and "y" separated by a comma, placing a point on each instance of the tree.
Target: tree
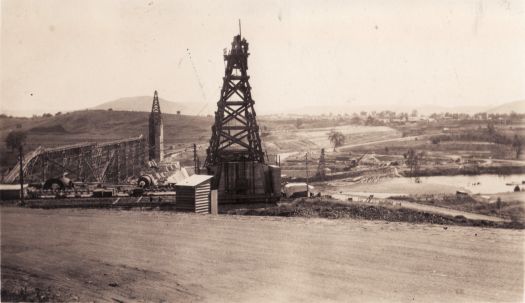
{"x": 369, "y": 120}
{"x": 298, "y": 123}
{"x": 413, "y": 161}
{"x": 490, "y": 128}
{"x": 15, "y": 139}
{"x": 517, "y": 146}
{"x": 355, "y": 120}
{"x": 336, "y": 138}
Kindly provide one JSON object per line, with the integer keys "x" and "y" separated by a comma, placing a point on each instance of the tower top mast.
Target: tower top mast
{"x": 240, "y": 32}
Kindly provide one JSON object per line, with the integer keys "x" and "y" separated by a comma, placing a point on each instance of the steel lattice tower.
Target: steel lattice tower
{"x": 156, "y": 131}
{"x": 235, "y": 134}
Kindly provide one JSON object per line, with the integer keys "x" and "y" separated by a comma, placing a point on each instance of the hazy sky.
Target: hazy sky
{"x": 74, "y": 54}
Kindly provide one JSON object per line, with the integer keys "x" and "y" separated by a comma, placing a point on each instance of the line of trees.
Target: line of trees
{"x": 489, "y": 134}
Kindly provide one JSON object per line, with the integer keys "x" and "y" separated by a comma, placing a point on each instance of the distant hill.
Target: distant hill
{"x": 143, "y": 104}
{"x": 180, "y": 131}
{"x": 104, "y": 125}
{"x": 516, "y": 106}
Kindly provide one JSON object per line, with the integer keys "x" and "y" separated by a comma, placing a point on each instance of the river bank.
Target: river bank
{"x": 467, "y": 170}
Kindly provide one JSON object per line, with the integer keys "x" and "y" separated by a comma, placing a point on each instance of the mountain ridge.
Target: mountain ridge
{"x": 517, "y": 106}
{"x": 143, "y": 104}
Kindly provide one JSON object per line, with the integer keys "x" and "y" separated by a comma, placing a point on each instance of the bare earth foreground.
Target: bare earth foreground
{"x": 103, "y": 255}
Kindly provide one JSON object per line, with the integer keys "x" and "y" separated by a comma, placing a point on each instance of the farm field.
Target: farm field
{"x": 314, "y": 139}
{"x": 85, "y": 255}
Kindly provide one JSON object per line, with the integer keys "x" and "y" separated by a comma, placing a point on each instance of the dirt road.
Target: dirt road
{"x": 116, "y": 256}
{"x": 409, "y": 138}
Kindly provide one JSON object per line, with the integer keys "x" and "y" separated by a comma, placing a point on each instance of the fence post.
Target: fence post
{"x": 213, "y": 201}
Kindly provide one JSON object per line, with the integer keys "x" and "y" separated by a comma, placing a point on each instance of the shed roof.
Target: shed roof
{"x": 194, "y": 180}
{"x": 11, "y": 186}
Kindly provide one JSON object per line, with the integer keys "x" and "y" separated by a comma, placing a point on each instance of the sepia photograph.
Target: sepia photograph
{"x": 262, "y": 151}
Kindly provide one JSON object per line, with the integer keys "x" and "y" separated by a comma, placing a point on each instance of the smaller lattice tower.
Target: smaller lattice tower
{"x": 156, "y": 131}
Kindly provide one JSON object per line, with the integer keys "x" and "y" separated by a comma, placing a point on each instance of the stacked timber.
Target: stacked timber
{"x": 193, "y": 194}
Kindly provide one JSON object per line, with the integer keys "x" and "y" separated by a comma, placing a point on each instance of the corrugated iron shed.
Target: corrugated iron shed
{"x": 193, "y": 194}
{"x": 11, "y": 191}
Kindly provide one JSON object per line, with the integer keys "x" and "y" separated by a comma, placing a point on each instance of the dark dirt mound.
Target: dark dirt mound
{"x": 508, "y": 208}
{"x": 333, "y": 209}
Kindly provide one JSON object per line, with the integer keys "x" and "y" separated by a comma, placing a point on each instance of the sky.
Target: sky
{"x": 74, "y": 54}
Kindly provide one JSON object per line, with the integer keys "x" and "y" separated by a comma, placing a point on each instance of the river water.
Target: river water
{"x": 480, "y": 184}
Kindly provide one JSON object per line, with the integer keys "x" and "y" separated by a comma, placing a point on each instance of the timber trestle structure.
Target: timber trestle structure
{"x": 114, "y": 162}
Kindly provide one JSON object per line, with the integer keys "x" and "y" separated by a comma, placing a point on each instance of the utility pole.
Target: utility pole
{"x": 195, "y": 159}
{"x": 307, "y": 177}
{"x": 21, "y": 160}
{"x": 322, "y": 165}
